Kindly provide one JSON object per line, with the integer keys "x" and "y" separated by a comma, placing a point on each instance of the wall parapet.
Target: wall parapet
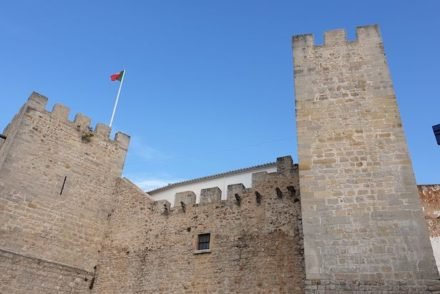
{"x": 210, "y": 195}
{"x": 237, "y": 193}
{"x": 81, "y": 122}
{"x": 284, "y": 168}
{"x": 187, "y": 198}
{"x": 235, "y": 189}
{"x": 364, "y": 34}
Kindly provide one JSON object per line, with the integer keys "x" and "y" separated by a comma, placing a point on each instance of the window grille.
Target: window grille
{"x": 203, "y": 243}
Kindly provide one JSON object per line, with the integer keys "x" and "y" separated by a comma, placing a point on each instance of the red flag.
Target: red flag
{"x": 117, "y": 76}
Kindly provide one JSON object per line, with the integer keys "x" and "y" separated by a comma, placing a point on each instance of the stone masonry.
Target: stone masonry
{"x": 70, "y": 224}
{"x": 256, "y": 243}
{"x": 362, "y": 219}
{"x": 57, "y": 179}
{"x": 346, "y": 219}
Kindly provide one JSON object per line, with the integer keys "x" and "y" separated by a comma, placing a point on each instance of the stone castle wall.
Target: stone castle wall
{"x": 70, "y": 224}
{"x": 56, "y": 180}
{"x": 256, "y": 243}
{"x": 22, "y": 274}
{"x": 361, "y": 212}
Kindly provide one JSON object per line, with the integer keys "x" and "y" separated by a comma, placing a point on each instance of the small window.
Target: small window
{"x": 203, "y": 243}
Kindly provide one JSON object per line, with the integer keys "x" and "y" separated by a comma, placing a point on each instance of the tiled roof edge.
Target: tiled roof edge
{"x": 216, "y": 176}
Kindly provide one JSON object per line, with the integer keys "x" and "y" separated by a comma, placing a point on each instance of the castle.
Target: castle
{"x": 346, "y": 219}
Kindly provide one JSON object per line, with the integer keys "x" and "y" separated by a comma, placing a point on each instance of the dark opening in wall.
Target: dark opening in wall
{"x": 279, "y": 192}
{"x": 258, "y": 197}
{"x": 183, "y": 205}
{"x": 62, "y": 187}
{"x": 237, "y": 199}
{"x": 92, "y": 282}
{"x": 203, "y": 242}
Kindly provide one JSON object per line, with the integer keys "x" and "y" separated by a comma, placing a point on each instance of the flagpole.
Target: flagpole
{"x": 117, "y": 98}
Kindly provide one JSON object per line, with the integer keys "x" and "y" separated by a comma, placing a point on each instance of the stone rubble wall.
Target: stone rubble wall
{"x": 430, "y": 197}
{"x": 256, "y": 245}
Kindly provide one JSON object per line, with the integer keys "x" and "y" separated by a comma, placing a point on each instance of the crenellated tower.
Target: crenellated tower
{"x": 361, "y": 212}
{"x": 57, "y": 180}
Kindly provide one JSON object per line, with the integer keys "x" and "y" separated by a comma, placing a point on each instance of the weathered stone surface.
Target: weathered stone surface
{"x": 70, "y": 224}
{"x": 187, "y": 198}
{"x": 361, "y": 213}
{"x": 236, "y": 189}
{"x": 210, "y": 195}
{"x": 56, "y": 188}
{"x": 254, "y": 247}
{"x": 371, "y": 286}
{"x": 23, "y": 275}
{"x": 430, "y": 196}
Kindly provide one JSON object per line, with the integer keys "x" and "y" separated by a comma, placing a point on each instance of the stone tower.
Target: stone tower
{"x": 361, "y": 212}
{"x": 57, "y": 179}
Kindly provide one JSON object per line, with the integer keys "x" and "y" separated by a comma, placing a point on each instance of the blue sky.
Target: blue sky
{"x": 209, "y": 84}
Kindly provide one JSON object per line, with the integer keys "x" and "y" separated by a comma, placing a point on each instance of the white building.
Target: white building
{"x": 222, "y": 180}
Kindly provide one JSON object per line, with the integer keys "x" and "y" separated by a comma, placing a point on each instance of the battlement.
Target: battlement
{"x": 211, "y": 197}
{"x": 81, "y": 122}
{"x": 253, "y": 227}
{"x": 224, "y": 185}
{"x": 278, "y": 183}
{"x": 364, "y": 34}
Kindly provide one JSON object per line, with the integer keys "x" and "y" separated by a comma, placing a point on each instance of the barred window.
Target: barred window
{"x": 203, "y": 243}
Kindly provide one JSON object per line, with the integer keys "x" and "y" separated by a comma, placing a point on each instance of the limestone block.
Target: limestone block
{"x": 285, "y": 165}
{"x": 258, "y": 178}
{"x": 60, "y": 111}
{"x": 187, "y": 197}
{"x": 368, "y": 34}
{"x": 102, "y": 130}
{"x": 301, "y": 41}
{"x": 122, "y": 139}
{"x": 235, "y": 189}
{"x": 37, "y": 101}
{"x": 162, "y": 206}
{"x": 81, "y": 121}
{"x": 210, "y": 195}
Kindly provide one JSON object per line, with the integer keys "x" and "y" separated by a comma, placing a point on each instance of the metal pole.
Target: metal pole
{"x": 117, "y": 98}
